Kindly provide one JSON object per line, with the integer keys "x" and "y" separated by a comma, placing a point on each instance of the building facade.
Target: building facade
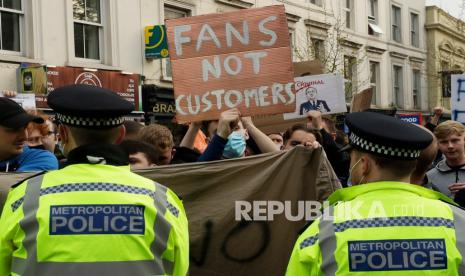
{"x": 446, "y": 54}
{"x": 374, "y": 43}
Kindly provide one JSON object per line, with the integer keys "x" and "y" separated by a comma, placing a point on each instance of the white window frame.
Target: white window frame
{"x": 315, "y": 2}
{"x": 108, "y": 40}
{"x": 22, "y": 35}
{"x": 415, "y": 41}
{"x": 292, "y": 43}
{"x": 353, "y": 75}
{"x": 375, "y": 85}
{"x": 189, "y": 11}
{"x": 100, "y": 36}
{"x": 398, "y": 25}
{"x": 349, "y": 10}
{"x": 372, "y": 18}
{"x": 398, "y": 86}
{"x": 316, "y": 50}
{"x": 416, "y": 88}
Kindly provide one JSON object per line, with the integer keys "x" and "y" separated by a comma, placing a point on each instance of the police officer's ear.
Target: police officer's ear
{"x": 366, "y": 164}
{"x": 121, "y": 135}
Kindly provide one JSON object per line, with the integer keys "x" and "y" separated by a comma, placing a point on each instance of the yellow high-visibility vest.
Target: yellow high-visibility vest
{"x": 93, "y": 220}
{"x": 383, "y": 228}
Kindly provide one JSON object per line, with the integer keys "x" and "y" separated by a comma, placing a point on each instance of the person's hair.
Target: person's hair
{"x": 330, "y": 124}
{"x": 395, "y": 166}
{"x": 43, "y": 128}
{"x": 133, "y": 147}
{"x": 341, "y": 137}
{"x": 132, "y": 128}
{"x": 157, "y": 135}
{"x": 288, "y": 134}
{"x": 425, "y": 160}
{"x": 85, "y": 136}
{"x": 443, "y": 130}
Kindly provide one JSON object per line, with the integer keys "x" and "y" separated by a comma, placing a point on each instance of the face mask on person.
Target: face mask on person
{"x": 235, "y": 147}
{"x": 349, "y": 181}
{"x": 40, "y": 147}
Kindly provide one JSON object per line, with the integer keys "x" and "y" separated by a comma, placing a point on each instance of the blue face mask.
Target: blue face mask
{"x": 235, "y": 147}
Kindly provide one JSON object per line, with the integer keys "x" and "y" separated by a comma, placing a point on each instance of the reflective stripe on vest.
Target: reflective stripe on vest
{"x": 30, "y": 226}
{"x": 327, "y": 242}
{"x": 327, "y": 230}
{"x": 459, "y": 223}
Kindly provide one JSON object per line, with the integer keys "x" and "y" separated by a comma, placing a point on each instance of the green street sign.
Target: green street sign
{"x": 156, "y": 43}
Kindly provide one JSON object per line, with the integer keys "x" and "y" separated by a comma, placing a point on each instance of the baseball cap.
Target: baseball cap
{"x": 12, "y": 115}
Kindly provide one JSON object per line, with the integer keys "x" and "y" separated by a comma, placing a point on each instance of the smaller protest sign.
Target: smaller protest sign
{"x": 457, "y": 99}
{"x": 361, "y": 101}
{"x": 414, "y": 118}
{"x": 320, "y": 92}
{"x": 156, "y": 43}
{"x": 25, "y": 100}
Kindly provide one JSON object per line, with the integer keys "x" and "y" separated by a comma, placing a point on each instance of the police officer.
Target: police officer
{"x": 93, "y": 217}
{"x": 384, "y": 226}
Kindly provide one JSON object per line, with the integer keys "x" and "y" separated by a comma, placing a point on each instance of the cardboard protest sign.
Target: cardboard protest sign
{"x": 309, "y": 67}
{"x": 320, "y": 92}
{"x": 361, "y": 101}
{"x": 457, "y": 98}
{"x": 238, "y": 59}
{"x": 222, "y": 245}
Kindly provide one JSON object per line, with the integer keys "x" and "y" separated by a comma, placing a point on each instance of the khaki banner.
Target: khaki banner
{"x": 220, "y": 245}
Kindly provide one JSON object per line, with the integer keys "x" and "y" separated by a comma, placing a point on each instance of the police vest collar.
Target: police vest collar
{"x": 350, "y": 193}
{"x": 105, "y": 154}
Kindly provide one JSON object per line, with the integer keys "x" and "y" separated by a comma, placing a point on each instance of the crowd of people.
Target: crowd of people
{"x": 36, "y": 145}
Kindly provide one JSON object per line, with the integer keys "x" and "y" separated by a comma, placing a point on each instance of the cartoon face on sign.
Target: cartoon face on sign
{"x": 89, "y": 79}
{"x": 311, "y": 93}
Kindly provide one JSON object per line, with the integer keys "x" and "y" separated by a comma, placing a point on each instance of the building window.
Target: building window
{"x": 318, "y": 46}
{"x": 350, "y": 68}
{"x": 315, "y": 2}
{"x": 10, "y": 25}
{"x": 292, "y": 43}
{"x": 373, "y": 11}
{"x": 88, "y": 28}
{"x": 396, "y": 24}
{"x": 373, "y": 28}
{"x": 348, "y": 13}
{"x": 416, "y": 89}
{"x": 414, "y": 30}
{"x": 398, "y": 92}
{"x": 172, "y": 12}
{"x": 374, "y": 80}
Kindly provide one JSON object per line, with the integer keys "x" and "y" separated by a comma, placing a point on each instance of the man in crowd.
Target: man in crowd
{"x": 277, "y": 139}
{"x": 448, "y": 176}
{"x": 377, "y": 227}
{"x": 93, "y": 217}
{"x": 141, "y": 155}
{"x": 161, "y": 138}
{"x": 339, "y": 160}
{"x": 15, "y": 155}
